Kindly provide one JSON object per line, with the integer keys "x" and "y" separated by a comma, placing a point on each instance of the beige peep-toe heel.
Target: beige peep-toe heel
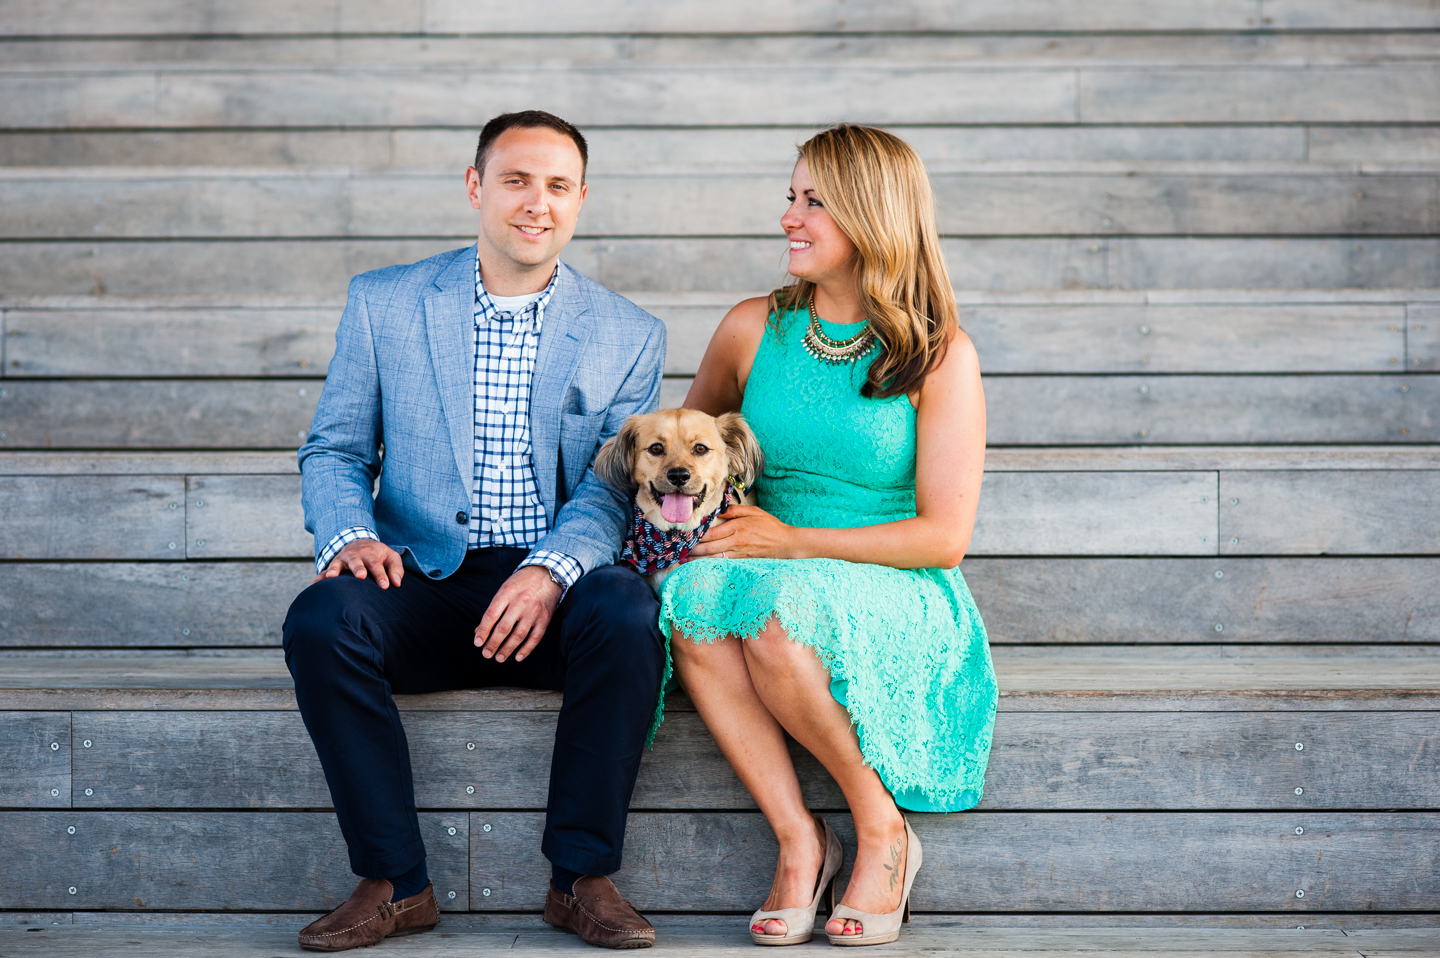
{"x": 879, "y": 929}
{"x": 800, "y": 922}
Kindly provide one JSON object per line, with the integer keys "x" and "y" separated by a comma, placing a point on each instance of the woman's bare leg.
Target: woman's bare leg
{"x": 717, "y": 680}
{"x": 794, "y": 688}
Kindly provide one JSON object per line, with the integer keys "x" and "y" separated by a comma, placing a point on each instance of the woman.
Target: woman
{"x": 834, "y": 611}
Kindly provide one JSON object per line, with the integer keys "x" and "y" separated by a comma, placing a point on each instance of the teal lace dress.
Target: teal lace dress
{"x": 905, "y": 648}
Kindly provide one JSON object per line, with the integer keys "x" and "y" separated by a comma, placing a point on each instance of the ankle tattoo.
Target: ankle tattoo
{"x": 894, "y": 869}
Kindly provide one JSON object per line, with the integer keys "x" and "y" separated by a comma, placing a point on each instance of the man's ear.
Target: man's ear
{"x": 615, "y": 462}
{"x": 743, "y": 455}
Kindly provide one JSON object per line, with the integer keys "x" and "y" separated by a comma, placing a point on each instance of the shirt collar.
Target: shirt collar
{"x": 485, "y": 311}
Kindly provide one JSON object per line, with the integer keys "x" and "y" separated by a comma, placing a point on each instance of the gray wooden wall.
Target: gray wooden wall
{"x": 1196, "y": 247}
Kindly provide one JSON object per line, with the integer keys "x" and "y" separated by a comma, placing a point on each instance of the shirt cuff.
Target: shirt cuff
{"x": 339, "y": 542}
{"x": 564, "y": 569}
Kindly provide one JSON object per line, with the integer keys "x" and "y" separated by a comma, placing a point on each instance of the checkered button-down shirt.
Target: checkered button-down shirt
{"x": 505, "y": 505}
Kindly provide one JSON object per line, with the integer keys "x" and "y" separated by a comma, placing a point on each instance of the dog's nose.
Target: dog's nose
{"x": 678, "y": 476}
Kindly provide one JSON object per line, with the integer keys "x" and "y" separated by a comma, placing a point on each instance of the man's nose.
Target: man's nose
{"x": 678, "y": 476}
{"x": 537, "y": 203}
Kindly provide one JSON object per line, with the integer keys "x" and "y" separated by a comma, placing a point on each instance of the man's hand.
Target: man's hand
{"x": 366, "y": 558}
{"x": 518, "y": 615}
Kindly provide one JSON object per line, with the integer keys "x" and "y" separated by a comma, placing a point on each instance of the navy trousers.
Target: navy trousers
{"x": 351, "y": 645}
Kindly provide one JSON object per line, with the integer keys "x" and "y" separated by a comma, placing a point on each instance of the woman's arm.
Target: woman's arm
{"x": 949, "y": 463}
{"x": 720, "y": 382}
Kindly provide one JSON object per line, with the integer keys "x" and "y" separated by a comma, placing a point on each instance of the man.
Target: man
{"x": 489, "y": 376}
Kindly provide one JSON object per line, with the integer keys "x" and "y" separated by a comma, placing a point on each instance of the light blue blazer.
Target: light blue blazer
{"x": 403, "y": 380}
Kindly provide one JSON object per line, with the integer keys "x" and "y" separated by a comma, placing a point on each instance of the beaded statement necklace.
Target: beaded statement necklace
{"x": 834, "y": 352}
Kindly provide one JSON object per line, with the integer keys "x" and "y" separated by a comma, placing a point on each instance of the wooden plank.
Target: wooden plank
{"x": 1131, "y": 513}
{"x": 1171, "y": 936}
{"x": 1373, "y": 144}
{"x": 1191, "y": 458}
{"x": 176, "y": 17}
{"x": 1012, "y": 338}
{"x": 621, "y": 150}
{"x": 91, "y": 517}
{"x": 701, "y": 94}
{"x": 1422, "y": 337}
{"x": 1092, "y": 601}
{"x": 324, "y": 267}
{"x": 1390, "y": 94}
{"x": 1349, "y": 15}
{"x": 245, "y": 516}
{"x": 202, "y": 860}
{"x": 1186, "y": 339}
{"x": 1089, "y": 410}
{"x": 41, "y": 463}
{"x": 187, "y": 605}
{"x": 1032, "y": 678}
{"x": 33, "y": 18}
{"x": 169, "y": 342}
{"x": 1121, "y": 861}
{"x": 192, "y": 204}
{"x": 1023, "y": 410}
{"x": 1042, "y": 761}
{"x": 213, "y": 414}
{"x": 1024, "y": 600}
{"x": 35, "y": 759}
{"x": 1334, "y": 513}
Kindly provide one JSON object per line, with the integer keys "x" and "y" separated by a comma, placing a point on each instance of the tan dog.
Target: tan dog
{"x": 675, "y": 465}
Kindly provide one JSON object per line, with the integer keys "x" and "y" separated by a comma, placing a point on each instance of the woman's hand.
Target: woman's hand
{"x": 749, "y": 532}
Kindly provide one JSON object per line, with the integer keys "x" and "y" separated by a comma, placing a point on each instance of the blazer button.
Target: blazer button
{"x": 462, "y": 518}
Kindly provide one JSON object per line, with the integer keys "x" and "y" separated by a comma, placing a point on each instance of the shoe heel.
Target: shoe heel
{"x": 830, "y": 899}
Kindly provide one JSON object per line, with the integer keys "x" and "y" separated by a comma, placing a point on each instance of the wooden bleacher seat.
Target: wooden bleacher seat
{"x": 1195, "y": 246}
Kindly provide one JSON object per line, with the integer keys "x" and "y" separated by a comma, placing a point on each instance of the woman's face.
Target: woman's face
{"x": 818, "y": 249}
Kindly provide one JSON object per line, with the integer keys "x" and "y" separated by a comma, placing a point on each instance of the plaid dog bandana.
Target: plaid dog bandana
{"x": 650, "y": 549}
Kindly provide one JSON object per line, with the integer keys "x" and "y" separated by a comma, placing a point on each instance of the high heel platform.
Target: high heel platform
{"x": 800, "y": 922}
{"x": 879, "y": 929}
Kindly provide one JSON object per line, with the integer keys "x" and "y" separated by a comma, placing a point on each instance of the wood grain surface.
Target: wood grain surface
{"x": 182, "y": 204}
{"x": 92, "y": 517}
{"x": 35, "y": 759}
{"x": 323, "y": 267}
{"x": 202, "y": 860}
{"x": 1114, "y": 861}
{"x": 1376, "y": 512}
{"x": 1041, "y": 761}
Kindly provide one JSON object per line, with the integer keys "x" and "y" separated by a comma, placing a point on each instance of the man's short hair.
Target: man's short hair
{"x": 529, "y": 120}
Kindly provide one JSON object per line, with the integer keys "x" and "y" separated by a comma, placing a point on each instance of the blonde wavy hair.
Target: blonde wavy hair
{"x": 876, "y": 190}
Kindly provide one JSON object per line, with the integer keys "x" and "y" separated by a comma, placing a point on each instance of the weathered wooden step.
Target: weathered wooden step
{"x": 1029, "y": 600}
{"x": 1041, "y": 761}
{"x": 1171, "y": 937}
{"x": 707, "y": 94}
{"x": 698, "y": 861}
{"x": 1243, "y": 331}
{"x": 323, "y": 267}
{"x": 1368, "y": 147}
{"x": 1082, "y": 410}
{"x": 1011, "y": 200}
{"x": 1032, "y": 678}
{"x": 169, "y": 17}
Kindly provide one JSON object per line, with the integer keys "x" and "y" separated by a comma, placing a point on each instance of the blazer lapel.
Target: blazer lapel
{"x": 562, "y": 341}
{"x": 450, "y": 327}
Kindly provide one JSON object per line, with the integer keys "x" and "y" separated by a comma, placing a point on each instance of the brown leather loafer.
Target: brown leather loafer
{"x": 598, "y": 914}
{"x": 369, "y": 916}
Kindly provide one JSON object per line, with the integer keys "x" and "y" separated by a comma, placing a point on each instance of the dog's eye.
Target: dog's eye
{"x": 657, "y": 449}
{"x": 701, "y": 449}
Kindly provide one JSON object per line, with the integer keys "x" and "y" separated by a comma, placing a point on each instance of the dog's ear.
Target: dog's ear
{"x": 615, "y": 462}
{"x": 743, "y": 455}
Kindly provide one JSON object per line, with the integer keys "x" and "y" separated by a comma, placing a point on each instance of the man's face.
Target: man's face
{"x": 529, "y": 198}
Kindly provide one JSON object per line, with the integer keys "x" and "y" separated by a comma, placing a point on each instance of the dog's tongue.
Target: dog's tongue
{"x": 677, "y": 508}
